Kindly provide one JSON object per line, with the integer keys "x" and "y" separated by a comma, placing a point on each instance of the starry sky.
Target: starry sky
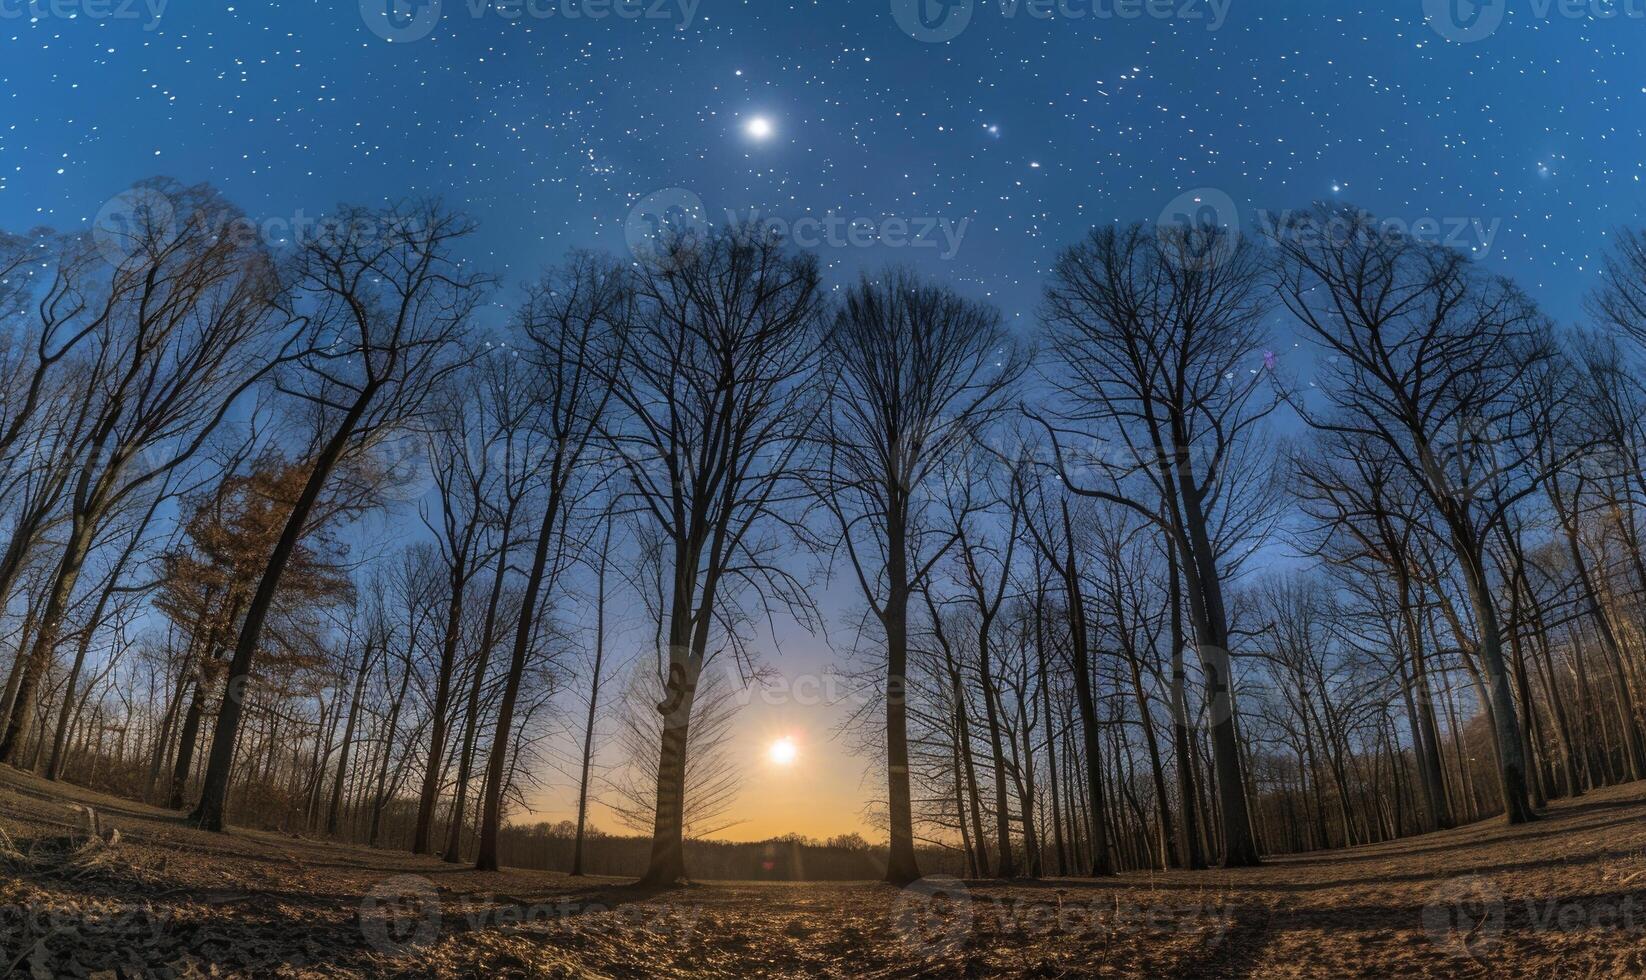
{"x": 1509, "y": 127}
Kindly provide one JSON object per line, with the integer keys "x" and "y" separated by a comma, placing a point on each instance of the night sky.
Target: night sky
{"x": 1513, "y": 128}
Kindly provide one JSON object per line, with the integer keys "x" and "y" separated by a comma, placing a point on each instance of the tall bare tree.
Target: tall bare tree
{"x": 1159, "y": 345}
{"x": 577, "y": 322}
{"x": 383, "y": 303}
{"x": 918, "y": 374}
{"x": 504, "y": 421}
{"x": 716, "y": 398}
{"x": 1424, "y": 353}
{"x": 182, "y": 331}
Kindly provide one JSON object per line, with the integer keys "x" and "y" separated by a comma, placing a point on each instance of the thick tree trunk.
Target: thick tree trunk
{"x": 190, "y": 737}
{"x": 1205, "y": 594}
{"x": 1511, "y": 763}
{"x": 11, "y": 566}
{"x": 14, "y": 678}
{"x": 667, "y": 864}
{"x": 1189, "y": 851}
{"x": 901, "y": 867}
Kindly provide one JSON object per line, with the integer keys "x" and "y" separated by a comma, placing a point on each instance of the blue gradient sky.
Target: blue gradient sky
{"x": 1523, "y": 140}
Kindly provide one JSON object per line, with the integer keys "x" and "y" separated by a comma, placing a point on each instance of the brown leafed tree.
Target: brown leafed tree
{"x": 210, "y": 576}
{"x": 382, "y": 303}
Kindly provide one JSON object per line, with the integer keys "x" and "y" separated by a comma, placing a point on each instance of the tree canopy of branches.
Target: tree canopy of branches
{"x": 1131, "y": 590}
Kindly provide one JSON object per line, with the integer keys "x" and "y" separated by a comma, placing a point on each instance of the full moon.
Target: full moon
{"x": 783, "y": 751}
{"x": 759, "y": 127}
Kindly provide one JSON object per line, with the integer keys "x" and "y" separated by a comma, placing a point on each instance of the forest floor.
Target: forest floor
{"x": 1562, "y": 897}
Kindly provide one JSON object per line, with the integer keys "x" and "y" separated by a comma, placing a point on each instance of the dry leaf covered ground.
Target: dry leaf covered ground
{"x": 137, "y": 894}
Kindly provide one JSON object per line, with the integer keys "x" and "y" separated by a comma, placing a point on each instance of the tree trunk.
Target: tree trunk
{"x": 333, "y": 811}
{"x": 594, "y": 701}
{"x": 424, "y": 832}
{"x": 991, "y": 715}
{"x": 1086, "y": 699}
{"x": 1051, "y": 740}
{"x": 45, "y": 641}
{"x": 491, "y": 810}
{"x": 471, "y": 714}
{"x": 901, "y": 867}
{"x": 1511, "y": 764}
{"x": 214, "y": 793}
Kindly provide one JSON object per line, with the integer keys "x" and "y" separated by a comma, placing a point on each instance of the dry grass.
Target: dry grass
{"x": 128, "y": 890}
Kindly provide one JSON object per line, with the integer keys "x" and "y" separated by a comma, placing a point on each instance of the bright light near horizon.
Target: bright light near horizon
{"x": 783, "y": 752}
{"x": 758, "y": 127}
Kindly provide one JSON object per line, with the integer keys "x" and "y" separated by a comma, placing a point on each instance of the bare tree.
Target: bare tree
{"x": 1159, "y": 350}
{"x": 917, "y": 375}
{"x": 384, "y": 303}
{"x": 1054, "y": 536}
{"x": 716, "y": 402}
{"x": 505, "y": 422}
{"x": 1365, "y": 525}
{"x": 1426, "y": 354}
{"x": 462, "y": 455}
{"x": 181, "y": 334}
{"x": 577, "y": 323}
{"x": 113, "y": 584}
{"x": 713, "y": 776}
{"x": 602, "y": 563}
